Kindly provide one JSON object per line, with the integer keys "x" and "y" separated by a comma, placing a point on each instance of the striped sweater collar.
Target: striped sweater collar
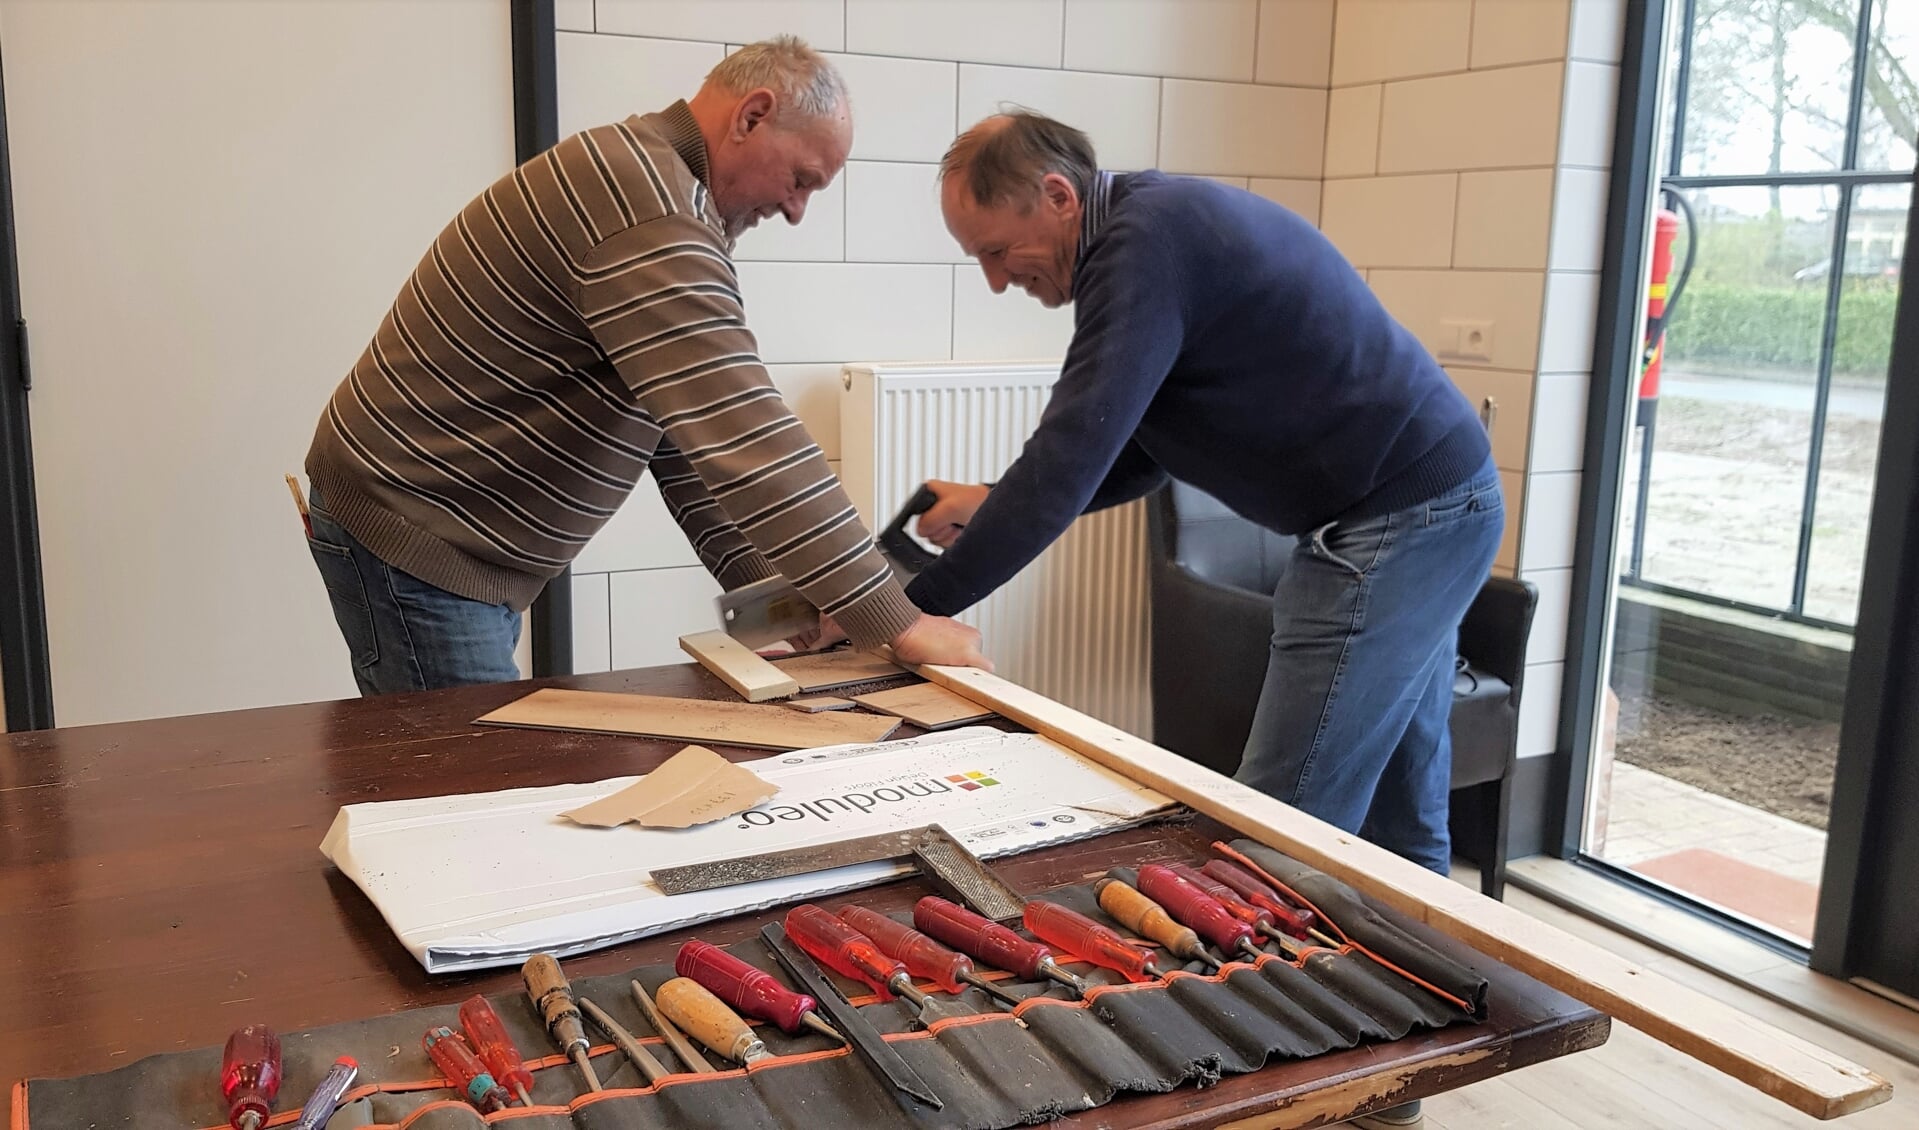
{"x": 683, "y": 134}
{"x": 1096, "y": 207}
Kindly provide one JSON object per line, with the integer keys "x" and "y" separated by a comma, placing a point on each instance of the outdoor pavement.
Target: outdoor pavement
{"x": 1751, "y": 862}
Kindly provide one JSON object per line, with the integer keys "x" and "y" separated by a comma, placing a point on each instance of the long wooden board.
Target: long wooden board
{"x": 721, "y": 723}
{"x": 739, "y": 666}
{"x": 830, "y": 669}
{"x": 1798, "y": 1073}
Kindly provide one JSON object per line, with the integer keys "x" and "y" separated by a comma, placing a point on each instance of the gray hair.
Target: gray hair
{"x": 805, "y": 82}
{"x": 1003, "y": 159}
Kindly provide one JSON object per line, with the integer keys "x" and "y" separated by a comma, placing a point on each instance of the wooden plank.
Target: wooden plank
{"x": 1796, "y": 1072}
{"x": 829, "y": 669}
{"x": 739, "y": 667}
{"x": 722, "y": 723}
{"x": 926, "y": 705}
{"x": 813, "y": 704}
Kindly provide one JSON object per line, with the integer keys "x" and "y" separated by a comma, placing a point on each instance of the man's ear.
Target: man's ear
{"x": 754, "y": 111}
{"x": 1058, "y": 192}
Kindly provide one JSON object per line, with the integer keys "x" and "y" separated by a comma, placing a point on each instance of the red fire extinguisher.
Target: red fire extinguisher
{"x": 1662, "y": 294}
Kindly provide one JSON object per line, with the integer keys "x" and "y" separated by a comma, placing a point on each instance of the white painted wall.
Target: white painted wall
{"x": 1234, "y": 89}
{"x": 216, "y": 203}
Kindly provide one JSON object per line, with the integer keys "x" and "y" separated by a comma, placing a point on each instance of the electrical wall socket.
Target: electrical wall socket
{"x": 1466, "y": 340}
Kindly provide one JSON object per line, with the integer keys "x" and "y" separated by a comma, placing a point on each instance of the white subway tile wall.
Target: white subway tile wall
{"x": 1302, "y": 196}
{"x": 1119, "y": 112}
{"x": 1429, "y": 136}
{"x": 1547, "y": 643}
{"x": 1498, "y": 119}
{"x": 607, "y": 78}
{"x": 1432, "y": 304}
{"x": 592, "y": 624}
{"x": 1021, "y": 32}
{"x": 1295, "y": 42}
{"x": 1579, "y": 219}
{"x": 1185, "y": 38}
{"x": 1518, "y": 31}
{"x": 813, "y": 392}
{"x": 573, "y": 15}
{"x": 1234, "y": 128}
{"x": 1504, "y": 219}
{"x": 1392, "y": 221}
{"x": 1572, "y": 305}
{"x": 821, "y": 23}
{"x": 650, "y": 609}
{"x": 1393, "y": 39}
{"x": 903, "y": 109}
{"x": 1509, "y": 416}
{"x": 1004, "y": 327}
{"x": 1539, "y": 709}
{"x": 829, "y": 312}
{"x": 1559, "y": 422}
{"x": 1352, "y": 131}
{"x": 1552, "y": 511}
{"x": 893, "y": 215}
{"x": 1598, "y": 29}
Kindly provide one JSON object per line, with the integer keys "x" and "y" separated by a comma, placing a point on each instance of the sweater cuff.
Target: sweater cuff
{"x": 745, "y": 572}
{"x": 878, "y": 617}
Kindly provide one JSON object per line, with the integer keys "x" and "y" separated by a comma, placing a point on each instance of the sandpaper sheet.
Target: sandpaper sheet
{"x": 693, "y": 786}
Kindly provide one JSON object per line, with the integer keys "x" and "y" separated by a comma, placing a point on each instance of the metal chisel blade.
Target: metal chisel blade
{"x": 779, "y": 864}
{"x": 867, "y": 1043}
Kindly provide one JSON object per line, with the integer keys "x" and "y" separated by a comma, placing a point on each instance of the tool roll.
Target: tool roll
{"x": 990, "y": 1070}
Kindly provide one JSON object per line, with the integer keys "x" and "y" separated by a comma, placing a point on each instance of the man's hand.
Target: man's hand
{"x": 937, "y": 639}
{"x": 826, "y": 635}
{"x": 946, "y": 519}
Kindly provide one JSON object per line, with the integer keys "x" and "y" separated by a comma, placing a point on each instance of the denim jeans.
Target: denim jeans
{"x": 1351, "y": 725}
{"x": 402, "y": 633}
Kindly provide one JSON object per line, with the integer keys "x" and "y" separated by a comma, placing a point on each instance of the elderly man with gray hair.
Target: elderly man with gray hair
{"x": 579, "y": 322}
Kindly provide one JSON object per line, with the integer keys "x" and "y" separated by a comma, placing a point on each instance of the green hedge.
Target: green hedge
{"x": 1718, "y": 324}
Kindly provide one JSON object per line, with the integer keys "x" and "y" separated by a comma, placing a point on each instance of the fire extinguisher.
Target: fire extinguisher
{"x": 1662, "y": 296}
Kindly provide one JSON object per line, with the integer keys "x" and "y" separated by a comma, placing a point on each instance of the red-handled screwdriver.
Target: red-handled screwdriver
{"x": 463, "y": 1069}
{"x": 1258, "y": 917}
{"x": 1088, "y": 940}
{"x": 1197, "y": 909}
{"x": 985, "y": 940}
{"x": 852, "y": 954}
{"x": 754, "y": 992}
{"x": 1297, "y": 921}
{"x": 250, "y": 1076}
{"x": 923, "y": 957}
{"x": 494, "y": 1047}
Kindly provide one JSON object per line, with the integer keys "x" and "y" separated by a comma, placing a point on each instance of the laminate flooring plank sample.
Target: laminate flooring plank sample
{"x": 722, "y": 723}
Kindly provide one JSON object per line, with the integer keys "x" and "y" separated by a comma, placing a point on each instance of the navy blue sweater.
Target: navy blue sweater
{"x": 1220, "y": 339}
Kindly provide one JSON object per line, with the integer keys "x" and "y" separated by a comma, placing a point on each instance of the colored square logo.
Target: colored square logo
{"x": 971, "y": 781}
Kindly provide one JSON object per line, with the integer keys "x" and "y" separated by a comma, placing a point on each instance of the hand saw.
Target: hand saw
{"x": 772, "y": 609}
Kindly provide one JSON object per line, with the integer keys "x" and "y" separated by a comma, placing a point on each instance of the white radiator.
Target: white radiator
{"x": 1073, "y": 625}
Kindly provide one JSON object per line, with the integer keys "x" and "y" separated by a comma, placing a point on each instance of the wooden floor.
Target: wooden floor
{"x": 1636, "y": 1083}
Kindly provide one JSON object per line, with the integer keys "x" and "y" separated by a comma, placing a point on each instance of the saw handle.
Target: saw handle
{"x": 899, "y": 545}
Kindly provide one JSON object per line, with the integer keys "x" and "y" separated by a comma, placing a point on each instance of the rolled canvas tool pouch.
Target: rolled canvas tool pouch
{"x": 1049, "y": 1057}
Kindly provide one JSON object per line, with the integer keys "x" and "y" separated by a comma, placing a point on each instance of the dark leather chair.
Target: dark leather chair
{"x": 1213, "y": 575}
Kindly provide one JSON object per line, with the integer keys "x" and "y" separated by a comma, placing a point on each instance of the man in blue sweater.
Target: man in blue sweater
{"x": 1221, "y": 340}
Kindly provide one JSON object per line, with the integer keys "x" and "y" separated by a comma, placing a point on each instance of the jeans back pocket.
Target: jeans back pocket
{"x": 346, "y": 590}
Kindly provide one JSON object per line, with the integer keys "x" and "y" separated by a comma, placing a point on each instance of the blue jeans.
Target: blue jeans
{"x": 1352, "y": 723}
{"x": 402, "y": 633}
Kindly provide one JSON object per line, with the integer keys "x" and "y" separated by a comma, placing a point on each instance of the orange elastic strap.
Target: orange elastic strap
{"x": 1259, "y": 872}
{"x": 19, "y": 1118}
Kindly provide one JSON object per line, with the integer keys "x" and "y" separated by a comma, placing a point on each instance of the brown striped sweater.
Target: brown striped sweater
{"x": 577, "y": 322}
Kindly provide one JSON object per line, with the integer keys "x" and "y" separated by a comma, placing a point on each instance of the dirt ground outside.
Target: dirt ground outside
{"x": 1728, "y": 482}
{"x": 1781, "y": 765}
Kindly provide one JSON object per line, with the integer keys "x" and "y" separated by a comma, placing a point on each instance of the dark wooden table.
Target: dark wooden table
{"x": 160, "y": 879}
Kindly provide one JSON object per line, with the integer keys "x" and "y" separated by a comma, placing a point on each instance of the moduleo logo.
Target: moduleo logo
{"x": 971, "y": 781}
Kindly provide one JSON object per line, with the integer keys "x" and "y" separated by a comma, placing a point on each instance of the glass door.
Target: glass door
{"x": 1785, "y": 175}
